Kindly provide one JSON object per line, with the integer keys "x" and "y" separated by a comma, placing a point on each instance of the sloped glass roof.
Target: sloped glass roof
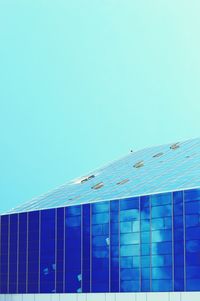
{"x": 151, "y": 170}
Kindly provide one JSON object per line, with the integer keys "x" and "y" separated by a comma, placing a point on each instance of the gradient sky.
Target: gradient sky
{"x": 83, "y": 82}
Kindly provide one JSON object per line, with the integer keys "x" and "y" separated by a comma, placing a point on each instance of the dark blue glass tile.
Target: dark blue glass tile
{"x": 178, "y": 197}
{"x": 192, "y": 195}
{"x": 33, "y": 251}
{"x": 145, "y": 285}
{"x": 130, "y": 203}
{"x": 193, "y": 284}
{"x": 161, "y": 199}
{"x": 193, "y": 246}
{"x": 130, "y": 286}
{"x": 192, "y": 207}
{"x": 145, "y": 273}
{"x": 162, "y": 248}
{"x": 129, "y": 274}
{"x": 13, "y": 254}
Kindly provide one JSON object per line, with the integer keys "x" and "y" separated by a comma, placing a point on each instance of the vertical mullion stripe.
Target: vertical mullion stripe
{"x": 17, "y": 253}
{"x": 184, "y": 240}
{"x": 39, "y": 261}
{"x": 109, "y": 252}
{"x": 172, "y": 218}
{"x": 119, "y": 207}
{"x": 150, "y": 221}
{"x": 140, "y": 261}
{"x": 0, "y": 258}
{"x": 27, "y": 252}
{"x": 8, "y": 275}
{"x": 81, "y": 248}
{"x": 91, "y": 248}
{"x": 56, "y": 221}
{"x": 64, "y": 250}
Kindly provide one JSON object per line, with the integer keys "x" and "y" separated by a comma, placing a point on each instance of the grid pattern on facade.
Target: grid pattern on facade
{"x": 152, "y": 170}
{"x": 140, "y": 244}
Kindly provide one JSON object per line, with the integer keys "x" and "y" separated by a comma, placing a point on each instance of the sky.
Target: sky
{"x": 84, "y": 82}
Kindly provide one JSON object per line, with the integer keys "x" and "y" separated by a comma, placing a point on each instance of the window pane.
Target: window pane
{"x": 47, "y": 252}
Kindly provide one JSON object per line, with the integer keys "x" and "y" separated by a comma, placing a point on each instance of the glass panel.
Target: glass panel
{"x": 161, "y": 261}
{"x": 47, "y": 251}
{"x": 86, "y": 260}
{"x": 73, "y": 276}
{"x": 60, "y": 250}
{"x": 13, "y": 253}
{"x": 4, "y": 253}
{"x": 129, "y": 245}
{"x": 22, "y": 266}
{"x": 33, "y": 251}
{"x": 114, "y": 246}
{"x": 192, "y": 235}
{"x": 178, "y": 227}
{"x": 145, "y": 243}
{"x": 100, "y": 247}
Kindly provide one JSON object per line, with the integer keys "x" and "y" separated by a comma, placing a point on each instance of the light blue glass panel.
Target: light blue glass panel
{"x": 179, "y": 251}
{"x": 73, "y": 276}
{"x": 145, "y": 249}
{"x": 161, "y": 285}
{"x": 114, "y": 245}
{"x": 192, "y": 234}
{"x": 130, "y": 238}
{"x": 100, "y": 249}
{"x": 162, "y": 273}
{"x": 161, "y": 237}
{"x": 130, "y": 245}
{"x": 47, "y": 251}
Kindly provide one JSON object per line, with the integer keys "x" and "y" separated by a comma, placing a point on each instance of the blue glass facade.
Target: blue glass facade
{"x": 141, "y": 244}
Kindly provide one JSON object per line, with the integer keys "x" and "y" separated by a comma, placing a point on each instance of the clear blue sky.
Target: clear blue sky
{"x": 83, "y": 82}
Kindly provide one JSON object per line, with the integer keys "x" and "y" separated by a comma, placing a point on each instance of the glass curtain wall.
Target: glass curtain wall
{"x": 140, "y": 244}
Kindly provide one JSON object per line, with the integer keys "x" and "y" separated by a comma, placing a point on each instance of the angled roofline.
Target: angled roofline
{"x": 101, "y": 200}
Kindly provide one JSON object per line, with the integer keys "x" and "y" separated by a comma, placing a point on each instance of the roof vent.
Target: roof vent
{"x": 87, "y": 179}
{"x": 123, "y": 182}
{"x": 175, "y": 146}
{"x": 139, "y": 164}
{"x": 98, "y": 186}
{"x": 158, "y": 155}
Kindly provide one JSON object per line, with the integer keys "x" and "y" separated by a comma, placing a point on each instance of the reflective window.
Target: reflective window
{"x": 47, "y": 251}
{"x": 161, "y": 232}
{"x": 192, "y": 239}
{"x": 22, "y": 253}
{"x": 114, "y": 246}
{"x": 13, "y": 253}
{"x": 60, "y": 226}
{"x": 4, "y": 253}
{"x": 73, "y": 250}
{"x": 130, "y": 245}
{"x": 86, "y": 245}
{"x": 145, "y": 251}
{"x": 33, "y": 252}
{"x": 147, "y": 243}
{"x": 100, "y": 246}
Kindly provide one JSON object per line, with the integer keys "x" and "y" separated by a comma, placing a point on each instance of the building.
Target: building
{"x": 127, "y": 231}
